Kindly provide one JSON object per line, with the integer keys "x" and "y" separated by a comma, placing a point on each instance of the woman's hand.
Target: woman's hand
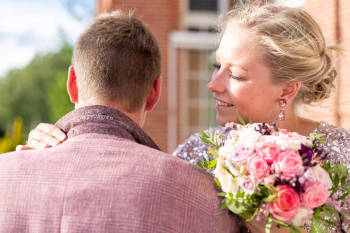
{"x": 43, "y": 136}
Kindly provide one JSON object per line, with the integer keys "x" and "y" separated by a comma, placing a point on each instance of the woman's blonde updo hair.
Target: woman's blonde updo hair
{"x": 294, "y": 47}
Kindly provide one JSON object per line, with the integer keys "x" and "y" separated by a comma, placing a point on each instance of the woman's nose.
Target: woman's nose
{"x": 216, "y": 83}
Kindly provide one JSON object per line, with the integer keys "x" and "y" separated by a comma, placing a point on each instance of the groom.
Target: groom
{"x": 109, "y": 176}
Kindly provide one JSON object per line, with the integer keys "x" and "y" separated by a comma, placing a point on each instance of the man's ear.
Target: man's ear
{"x": 154, "y": 94}
{"x": 72, "y": 86}
{"x": 290, "y": 90}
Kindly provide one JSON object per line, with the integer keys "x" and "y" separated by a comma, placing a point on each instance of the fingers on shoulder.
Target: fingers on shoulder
{"x": 52, "y": 130}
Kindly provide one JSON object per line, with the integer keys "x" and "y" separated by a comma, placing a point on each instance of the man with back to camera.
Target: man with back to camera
{"x": 109, "y": 176}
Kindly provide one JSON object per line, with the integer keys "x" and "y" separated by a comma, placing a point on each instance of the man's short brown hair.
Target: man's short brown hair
{"x": 116, "y": 59}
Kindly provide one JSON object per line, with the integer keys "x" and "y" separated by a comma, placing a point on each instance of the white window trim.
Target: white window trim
{"x": 182, "y": 40}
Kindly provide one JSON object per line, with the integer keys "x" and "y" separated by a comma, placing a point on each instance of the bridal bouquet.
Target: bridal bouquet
{"x": 262, "y": 169}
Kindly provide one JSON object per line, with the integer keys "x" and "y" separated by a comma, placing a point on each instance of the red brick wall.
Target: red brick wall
{"x": 344, "y": 90}
{"x": 162, "y": 16}
{"x": 336, "y": 110}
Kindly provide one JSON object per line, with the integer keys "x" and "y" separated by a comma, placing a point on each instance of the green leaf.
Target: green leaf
{"x": 249, "y": 214}
{"x": 208, "y": 142}
{"x": 211, "y": 133}
{"x": 212, "y": 164}
{"x": 294, "y": 229}
{"x": 250, "y": 121}
{"x": 242, "y": 120}
{"x": 243, "y": 216}
{"x": 237, "y": 204}
{"x": 281, "y": 223}
{"x": 198, "y": 164}
{"x": 343, "y": 196}
{"x": 204, "y": 134}
{"x": 268, "y": 225}
{"x": 218, "y": 142}
{"x": 222, "y": 194}
{"x": 242, "y": 194}
{"x": 336, "y": 180}
{"x": 223, "y": 206}
{"x": 332, "y": 210}
{"x": 343, "y": 180}
{"x": 238, "y": 194}
{"x": 328, "y": 214}
{"x": 217, "y": 182}
{"x": 205, "y": 160}
{"x": 213, "y": 152}
{"x": 330, "y": 222}
{"x": 343, "y": 213}
{"x": 339, "y": 169}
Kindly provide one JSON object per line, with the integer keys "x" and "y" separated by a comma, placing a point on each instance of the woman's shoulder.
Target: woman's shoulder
{"x": 193, "y": 149}
{"x": 334, "y": 135}
{"x": 336, "y": 142}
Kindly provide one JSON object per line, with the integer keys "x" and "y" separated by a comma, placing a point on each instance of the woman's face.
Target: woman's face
{"x": 241, "y": 84}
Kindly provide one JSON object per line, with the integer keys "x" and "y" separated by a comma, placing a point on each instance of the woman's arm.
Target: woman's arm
{"x": 43, "y": 136}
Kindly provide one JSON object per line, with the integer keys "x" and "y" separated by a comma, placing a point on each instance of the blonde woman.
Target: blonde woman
{"x": 270, "y": 57}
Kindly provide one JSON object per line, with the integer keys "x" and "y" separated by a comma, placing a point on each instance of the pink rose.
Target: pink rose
{"x": 315, "y": 195}
{"x": 269, "y": 151}
{"x": 258, "y": 168}
{"x": 286, "y": 205}
{"x": 240, "y": 153}
{"x": 288, "y": 163}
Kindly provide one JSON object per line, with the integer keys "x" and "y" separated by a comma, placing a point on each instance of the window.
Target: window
{"x": 204, "y": 5}
{"x": 199, "y": 103}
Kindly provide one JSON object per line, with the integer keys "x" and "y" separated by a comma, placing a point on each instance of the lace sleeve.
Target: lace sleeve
{"x": 337, "y": 145}
{"x": 193, "y": 149}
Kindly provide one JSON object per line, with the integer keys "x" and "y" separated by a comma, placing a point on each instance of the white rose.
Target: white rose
{"x": 223, "y": 176}
{"x": 249, "y": 136}
{"x": 229, "y": 144}
{"x": 303, "y": 216}
{"x": 286, "y": 142}
{"x": 302, "y": 139}
{"x": 323, "y": 176}
{"x": 246, "y": 184}
{"x": 239, "y": 154}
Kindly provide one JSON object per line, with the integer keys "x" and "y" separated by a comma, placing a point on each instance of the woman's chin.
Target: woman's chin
{"x": 224, "y": 120}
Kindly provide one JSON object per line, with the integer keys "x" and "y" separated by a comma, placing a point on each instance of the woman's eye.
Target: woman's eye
{"x": 235, "y": 77}
{"x": 217, "y": 66}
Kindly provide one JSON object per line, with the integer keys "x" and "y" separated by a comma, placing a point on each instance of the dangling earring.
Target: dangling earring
{"x": 282, "y": 114}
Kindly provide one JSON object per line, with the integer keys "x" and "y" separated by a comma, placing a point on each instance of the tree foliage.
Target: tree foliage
{"x": 37, "y": 93}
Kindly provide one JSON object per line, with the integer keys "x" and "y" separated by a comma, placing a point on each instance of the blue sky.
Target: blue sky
{"x": 30, "y": 27}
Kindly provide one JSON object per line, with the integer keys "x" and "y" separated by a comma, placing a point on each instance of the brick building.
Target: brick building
{"x": 184, "y": 30}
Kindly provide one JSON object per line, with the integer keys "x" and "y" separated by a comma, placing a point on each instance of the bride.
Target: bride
{"x": 271, "y": 60}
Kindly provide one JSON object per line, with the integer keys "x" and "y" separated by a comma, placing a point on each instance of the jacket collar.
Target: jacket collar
{"x": 102, "y": 119}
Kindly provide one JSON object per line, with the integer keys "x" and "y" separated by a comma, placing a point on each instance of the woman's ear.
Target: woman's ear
{"x": 72, "y": 86}
{"x": 290, "y": 90}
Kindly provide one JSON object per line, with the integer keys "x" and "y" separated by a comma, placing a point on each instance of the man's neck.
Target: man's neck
{"x": 138, "y": 116}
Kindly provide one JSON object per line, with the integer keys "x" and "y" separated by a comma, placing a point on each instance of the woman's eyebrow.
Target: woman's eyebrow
{"x": 237, "y": 65}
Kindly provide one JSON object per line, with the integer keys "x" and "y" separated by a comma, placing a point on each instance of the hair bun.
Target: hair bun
{"x": 320, "y": 87}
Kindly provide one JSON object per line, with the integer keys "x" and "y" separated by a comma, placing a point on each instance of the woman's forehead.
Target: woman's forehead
{"x": 238, "y": 46}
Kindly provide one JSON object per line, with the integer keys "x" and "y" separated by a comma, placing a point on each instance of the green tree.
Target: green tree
{"x": 37, "y": 93}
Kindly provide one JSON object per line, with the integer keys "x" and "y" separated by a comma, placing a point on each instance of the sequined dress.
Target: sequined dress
{"x": 337, "y": 145}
